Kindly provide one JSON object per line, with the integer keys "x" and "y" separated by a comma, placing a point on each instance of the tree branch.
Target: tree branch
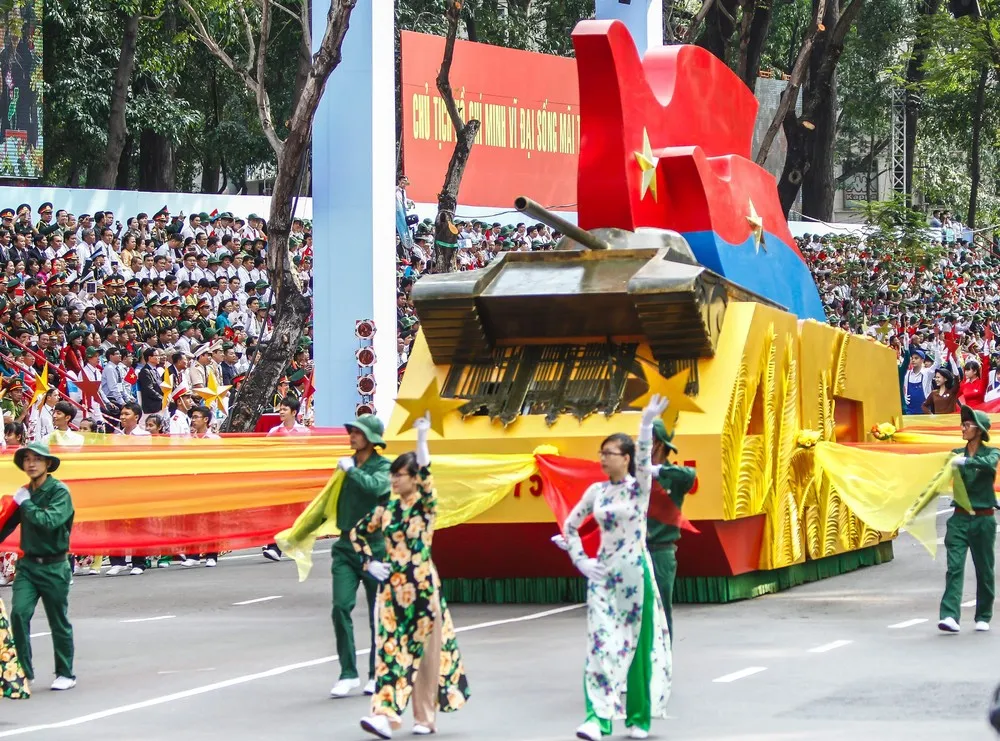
{"x": 791, "y": 94}
{"x": 862, "y": 164}
{"x": 443, "y": 82}
{"x": 692, "y": 30}
{"x": 250, "y": 45}
{"x": 286, "y": 11}
{"x": 151, "y": 17}
{"x": 213, "y": 46}
{"x": 263, "y": 101}
{"x": 306, "y": 20}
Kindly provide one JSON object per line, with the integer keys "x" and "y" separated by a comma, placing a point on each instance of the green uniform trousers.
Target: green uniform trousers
{"x": 665, "y": 571}
{"x": 347, "y": 575}
{"x": 638, "y": 706}
{"x": 977, "y": 535}
{"x": 50, "y": 584}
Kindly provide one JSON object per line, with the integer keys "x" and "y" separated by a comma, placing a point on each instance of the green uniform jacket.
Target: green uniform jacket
{"x": 365, "y": 487}
{"x": 979, "y": 473}
{"x": 677, "y": 482}
{"x": 46, "y": 520}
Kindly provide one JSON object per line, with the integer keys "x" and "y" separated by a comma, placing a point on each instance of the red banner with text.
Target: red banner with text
{"x": 529, "y": 108}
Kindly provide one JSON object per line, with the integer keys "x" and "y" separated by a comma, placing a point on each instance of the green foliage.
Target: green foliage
{"x": 896, "y": 226}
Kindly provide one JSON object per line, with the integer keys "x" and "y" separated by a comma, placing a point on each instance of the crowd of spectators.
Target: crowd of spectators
{"x": 160, "y": 307}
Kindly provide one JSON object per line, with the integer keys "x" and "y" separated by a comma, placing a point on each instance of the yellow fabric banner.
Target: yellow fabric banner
{"x": 889, "y": 491}
{"x": 466, "y": 486}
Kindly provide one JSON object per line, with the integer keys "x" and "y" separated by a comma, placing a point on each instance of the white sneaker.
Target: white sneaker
{"x": 63, "y": 683}
{"x": 982, "y": 626}
{"x": 163, "y": 565}
{"x": 377, "y": 725}
{"x": 271, "y": 554}
{"x": 370, "y": 687}
{"x": 116, "y": 570}
{"x": 187, "y": 563}
{"x": 590, "y": 731}
{"x": 636, "y": 732}
{"x": 949, "y": 625}
{"x": 343, "y": 687}
{"x": 210, "y": 562}
{"x": 136, "y": 570}
{"x": 419, "y": 730}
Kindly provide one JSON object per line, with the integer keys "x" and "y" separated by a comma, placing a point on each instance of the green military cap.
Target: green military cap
{"x": 92, "y": 351}
{"x": 184, "y": 326}
{"x": 13, "y": 283}
{"x": 979, "y": 418}
{"x": 660, "y": 433}
{"x": 38, "y": 447}
{"x": 251, "y": 217}
{"x": 228, "y": 345}
{"x": 369, "y": 425}
{"x": 209, "y": 333}
{"x": 75, "y": 334}
{"x": 261, "y": 284}
{"x": 214, "y": 259}
{"x": 203, "y": 216}
{"x": 264, "y": 306}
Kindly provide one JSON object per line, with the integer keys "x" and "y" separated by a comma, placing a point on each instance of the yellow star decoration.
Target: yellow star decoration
{"x": 167, "y": 386}
{"x": 756, "y": 229}
{"x": 429, "y": 401}
{"x": 41, "y": 386}
{"x": 647, "y": 163}
{"x": 673, "y": 389}
{"x": 214, "y": 393}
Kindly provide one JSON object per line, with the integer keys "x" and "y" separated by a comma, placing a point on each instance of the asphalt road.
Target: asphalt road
{"x": 174, "y": 654}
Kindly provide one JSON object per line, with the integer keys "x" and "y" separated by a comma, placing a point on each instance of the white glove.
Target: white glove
{"x": 958, "y": 460}
{"x": 560, "y": 541}
{"x": 345, "y": 464}
{"x": 378, "y": 570}
{"x": 422, "y": 425}
{"x": 592, "y": 569}
{"x": 654, "y": 409}
{"x": 655, "y": 468}
{"x": 21, "y": 495}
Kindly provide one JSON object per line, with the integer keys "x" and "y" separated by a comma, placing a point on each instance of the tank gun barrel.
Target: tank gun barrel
{"x": 581, "y": 236}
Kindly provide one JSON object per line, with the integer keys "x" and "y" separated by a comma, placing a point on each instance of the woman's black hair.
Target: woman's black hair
{"x": 407, "y": 462}
{"x": 15, "y": 428}
{"x": 948, "y": 376}
{"x": 625, "y": 445}
{"x": 974, "y": 365}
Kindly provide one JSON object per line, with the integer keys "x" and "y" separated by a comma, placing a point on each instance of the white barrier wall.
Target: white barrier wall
{"x": 125, "y": 203}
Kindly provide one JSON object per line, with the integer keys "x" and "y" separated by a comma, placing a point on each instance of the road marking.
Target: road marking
{"x": 39, "y": 635}
{"x": 183, "y": 671}
{"x": 940, "y": 541}
{"x": 908, "y": 623}
{"x": 748, "y": 672}
{"x": 829, "y": 647}
{"x": 149, "y": 619}
{"x": 267, "y": 674}
{"x": 970, "y": 603}
{"x": 942, "y": 511}
{"x": 260, "y": 555}
{"x": 259, "y": 599}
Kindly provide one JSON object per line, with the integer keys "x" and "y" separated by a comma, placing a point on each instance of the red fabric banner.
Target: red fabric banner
{"x": 566, "y": 480}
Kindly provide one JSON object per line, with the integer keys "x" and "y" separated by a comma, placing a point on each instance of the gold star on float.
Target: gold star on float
{"x": 673, "y": 389}
{"x": 429, "y": 401}
{"x": 167, "y": 387}
{"x": 41, "y": 386}
{"x": 756, "y": 229}
{"x": 214, "y": 393}
{"x": 647, "y": 163}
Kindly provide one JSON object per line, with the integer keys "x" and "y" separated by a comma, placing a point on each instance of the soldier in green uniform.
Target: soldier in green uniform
{"x": 45, "y": 514}
{"x": 976, "y": 531}
{"x": 673, "y": 481}
{"x": 365, "y": 487}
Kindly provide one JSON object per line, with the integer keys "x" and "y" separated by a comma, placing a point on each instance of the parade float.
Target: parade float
{"x": 682, "y": 279}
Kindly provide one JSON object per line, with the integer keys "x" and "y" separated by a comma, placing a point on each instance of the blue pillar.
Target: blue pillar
{"x": 644, "y": 19}
{"x": 354, "y": 270}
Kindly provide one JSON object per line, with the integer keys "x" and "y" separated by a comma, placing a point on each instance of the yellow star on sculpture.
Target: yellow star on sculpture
{"x": 673, "y": 389}
{"x": 167, "y": 387}
{"x": 214, "y": 393}
{"x": 429, "y": 401}
{"x": 647, "y": 163}
{"x": 41, "y": 386}
{"x": 756, "y": 229}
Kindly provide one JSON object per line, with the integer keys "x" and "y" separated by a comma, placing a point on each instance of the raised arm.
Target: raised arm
{"x": 644, "y": 445}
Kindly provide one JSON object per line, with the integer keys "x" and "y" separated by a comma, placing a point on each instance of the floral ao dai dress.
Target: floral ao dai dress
{"x": 13, "y": 683}
{"x": 411, "y": 614}
{"x": 628, "y": 639}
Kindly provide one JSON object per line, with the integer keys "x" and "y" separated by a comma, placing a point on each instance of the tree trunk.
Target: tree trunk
{"x": 803, "y": 132}
{"x": 817, "y": 181}
{"x": 751, "y": 51}
{"x": 156, "y": 162}
{"x": 977, "y": 130}
{"x": 124, "y": 177}
{"x": 105, "y": 172}
{"x": 864, "y": 164}
{"x": 293, "y": 307}
{"x": 444, "y": 256}
{"x": 915, "y": 75}
{"x": 720, "y": 25}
